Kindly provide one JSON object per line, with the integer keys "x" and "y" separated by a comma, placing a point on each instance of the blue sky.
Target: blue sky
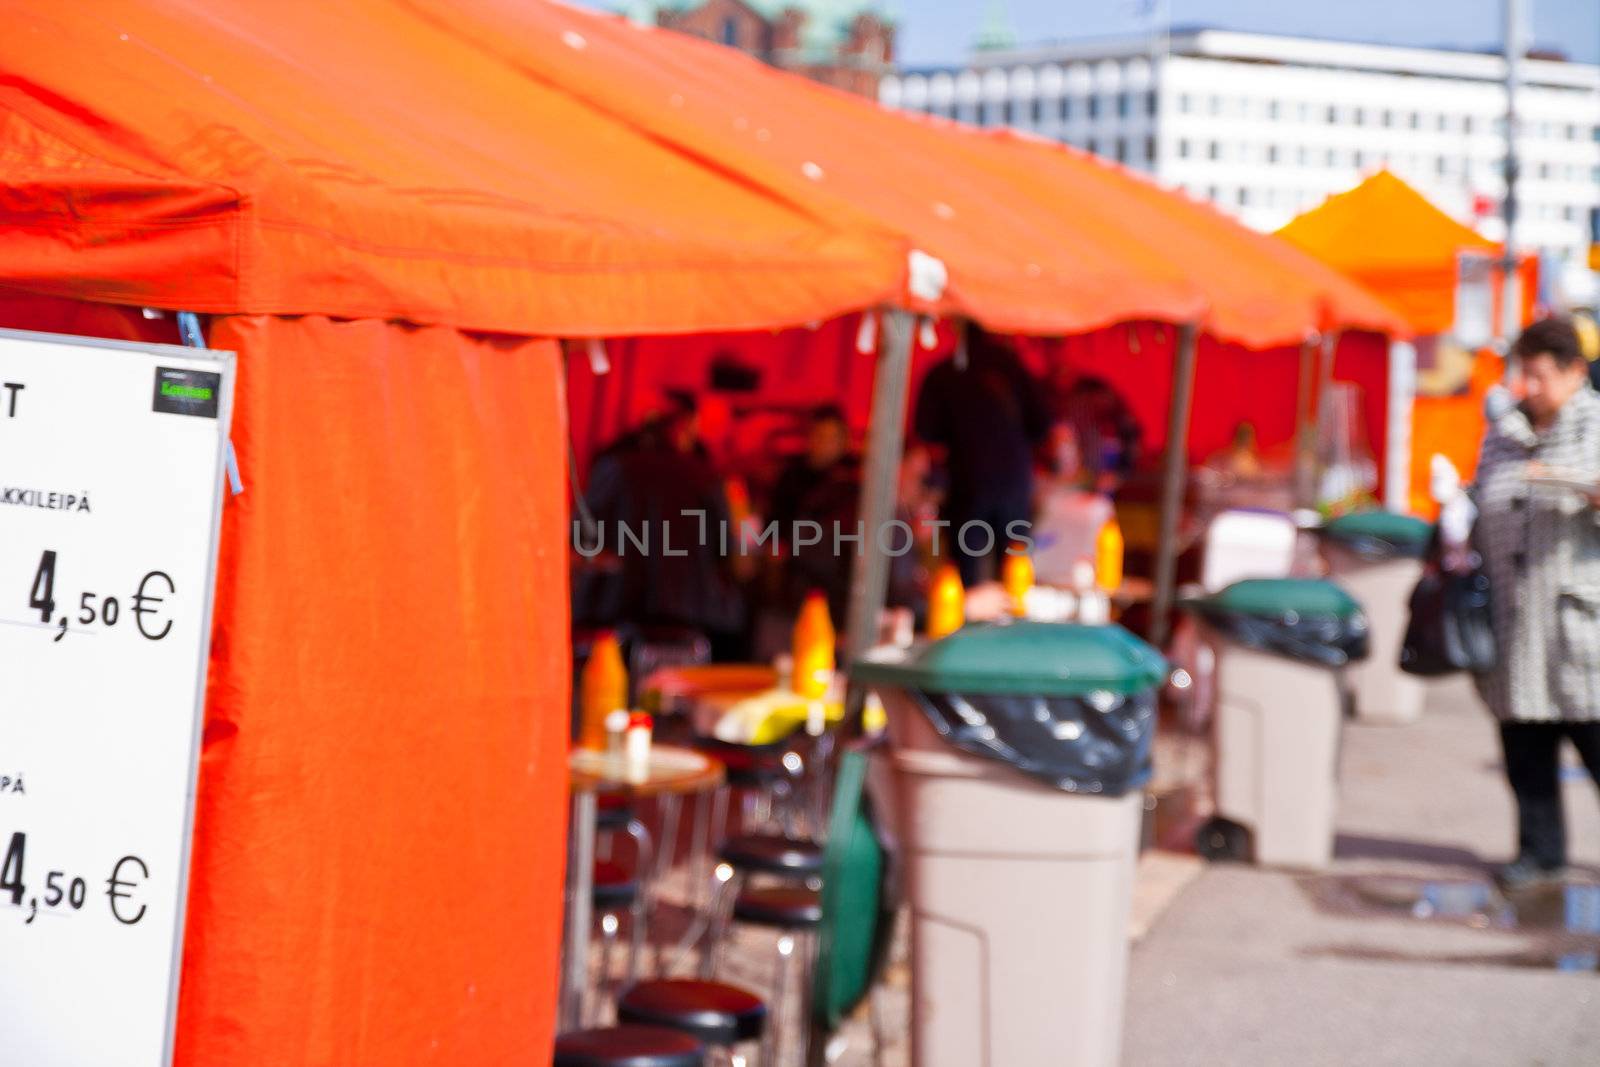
{"x": 941, "y": 31}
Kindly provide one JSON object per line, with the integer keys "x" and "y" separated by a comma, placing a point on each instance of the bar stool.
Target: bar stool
{"x": 618, "y": 892}
{"x": 786, "y": 859}
{"x": 842, "y": 930}
{"x": 796, "y": 912}
{"x": 628, "y": 1046}
{"x": 719, "y": 1016}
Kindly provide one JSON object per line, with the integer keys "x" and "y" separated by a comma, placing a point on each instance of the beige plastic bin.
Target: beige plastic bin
{"x": 1377, "y": 556}
{"x": 1278, "y": 720}
{"x": 1020, "y": 892}
{"x": 1277, "y": 732}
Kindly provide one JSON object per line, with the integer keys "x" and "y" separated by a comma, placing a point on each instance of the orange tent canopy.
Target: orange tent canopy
{"x": 1389, "y": 237}
{"x": 355, "y": 160}
{"x": 1036, "y": 240}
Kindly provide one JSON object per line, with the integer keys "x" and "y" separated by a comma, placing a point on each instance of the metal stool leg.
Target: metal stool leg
{"x": 639, "y": 911}
{"x": 670, "y": 806}
{"x": 608, "y": 940}
{"x": 772, "y": 1040}
{"x": 723, "y": 897}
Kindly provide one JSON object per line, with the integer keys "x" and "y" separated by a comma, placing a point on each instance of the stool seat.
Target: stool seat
{"x": 717, "y": 1014}
{"x": 614, "y": 886}
{"x": 787, "y": 907}
{"x": 772, "y": 854}
{"x": 612, "y": 811}
{"x": 628, "y": 1046}
{"x": 747, "y": 766}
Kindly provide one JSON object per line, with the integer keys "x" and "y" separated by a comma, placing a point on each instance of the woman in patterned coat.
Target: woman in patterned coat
{"x": 1541, "y": 551}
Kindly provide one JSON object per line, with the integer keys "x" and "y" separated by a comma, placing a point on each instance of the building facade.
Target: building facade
{"x": 844, "y": 43}
{"x": 1265, "y": 127}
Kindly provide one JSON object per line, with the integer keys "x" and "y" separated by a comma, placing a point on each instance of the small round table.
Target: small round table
{"x": 671, "y": 772}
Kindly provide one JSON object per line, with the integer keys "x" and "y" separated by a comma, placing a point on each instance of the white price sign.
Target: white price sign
{"x": 111, "y": 473}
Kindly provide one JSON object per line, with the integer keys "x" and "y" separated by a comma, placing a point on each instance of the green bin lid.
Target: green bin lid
{"x": 1273, "y": 598}
{"x": 1383, "y": 525}
{"x": 1023, "y": 658}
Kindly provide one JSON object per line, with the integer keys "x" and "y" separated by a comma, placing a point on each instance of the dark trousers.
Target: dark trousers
{"x": 988, "y": 541}
{"x": 1533, "y": 767}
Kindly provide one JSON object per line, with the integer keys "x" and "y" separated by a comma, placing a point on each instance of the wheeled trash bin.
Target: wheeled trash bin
{"x": 1020, "y": 752}
{"x": 1376, "y": 556}
{"x": 1281, "y": 645}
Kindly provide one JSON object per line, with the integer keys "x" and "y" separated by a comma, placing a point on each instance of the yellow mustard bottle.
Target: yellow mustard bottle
{"x": 947, "y": 602}
{"x": 812, "y": 644}
{"x": 602, "y": 689}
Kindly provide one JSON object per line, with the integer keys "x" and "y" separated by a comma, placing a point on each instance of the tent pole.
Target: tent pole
{"x": 1305, "y": 429}
{"x": 1177, "y": 462}
{"x": 879, "y": 481}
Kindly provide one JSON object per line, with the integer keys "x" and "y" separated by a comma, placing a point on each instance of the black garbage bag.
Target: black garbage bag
{"x": 1302, "y": 618}
{"x": 1324, "y": 639}
{"x": 1099, "y": 743}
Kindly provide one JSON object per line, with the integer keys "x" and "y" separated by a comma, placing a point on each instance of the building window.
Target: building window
{"x": 1332, "y": 115}
{"x": 1121, "y": 150}
{"x": 1361, "y": 158}
{"x": 1467, "y": 124}
{"x": 1066, "y": 108}
{"x": 1444, "y": 123}
{"x": 1302, "y": 156}
{"x": 1441, "y": 166}
{"x": 1150, "y": 148}
{"x": 1185, "y": 103}
{"x": 1092, "y": 146}
{"x": 1094, "y": 107}
{"x": 1360, "y": 117}
{"x": 1124, "y": 105}
{"x": 1216, "y": 105}
{"x": 1272, "y": 109}
{"x": 1414, "y": 120}
{"x": 1008, "y": 113}
{"x": 1388, "y": 117}
{"x": 1213, "y": 193}
{"x": 1214, "y": 150}
{"x": 1572, "y": 132}
{"x": 1332, "y": 158}
{"x": 1035, "y": 111}
{"x": 1151, "y": 105}
{"x": 1272, "y": 153}
{"x": 1244, "y": 196}
{"x": 1183, "y": 148}
{"x": 730, "y": 32}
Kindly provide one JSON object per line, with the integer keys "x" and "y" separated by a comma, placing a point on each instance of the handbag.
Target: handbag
{"x": 1450, "y": 628}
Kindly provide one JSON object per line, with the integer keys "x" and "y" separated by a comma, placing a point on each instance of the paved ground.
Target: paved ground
{"x": 1400, "y": 954}
{"x": 1260, "y": 967}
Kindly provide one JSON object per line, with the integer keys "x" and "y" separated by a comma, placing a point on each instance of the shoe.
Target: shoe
{"x": 1525, "y": 873}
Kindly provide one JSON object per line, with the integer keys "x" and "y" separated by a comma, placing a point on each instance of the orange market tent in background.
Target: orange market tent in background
{"x": 1390, "y": 238}
{"x": 383, "y": 223}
